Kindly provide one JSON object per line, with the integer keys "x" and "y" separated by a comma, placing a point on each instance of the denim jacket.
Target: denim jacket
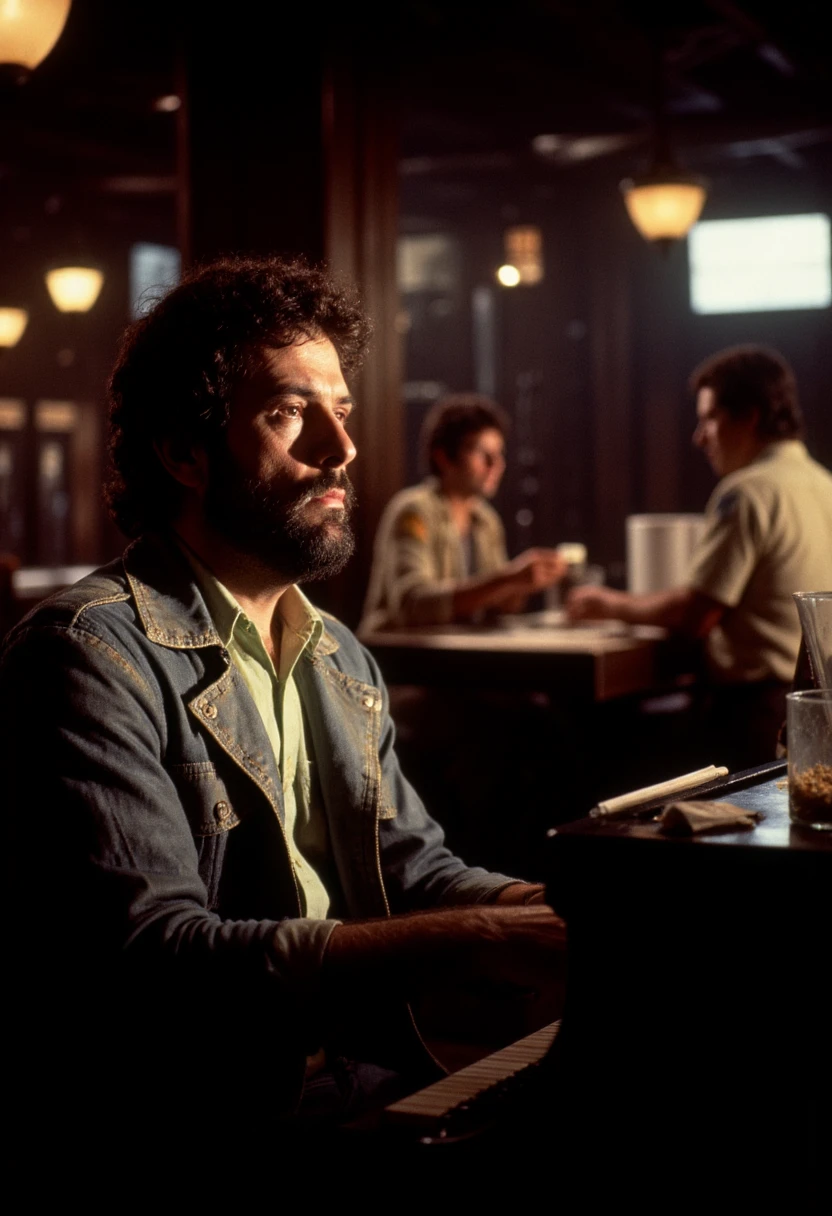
{"x": 146, "y": 817}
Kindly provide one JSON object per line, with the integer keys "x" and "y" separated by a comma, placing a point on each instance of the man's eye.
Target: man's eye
{"x": 286, "y": 411}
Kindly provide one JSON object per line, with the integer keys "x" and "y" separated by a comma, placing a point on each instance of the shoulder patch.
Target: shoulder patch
{"x": 727, "y": 505}
{"x": 411, "y": 524}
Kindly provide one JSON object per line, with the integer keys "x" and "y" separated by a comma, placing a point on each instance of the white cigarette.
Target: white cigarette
{"x": 664, "y": 789}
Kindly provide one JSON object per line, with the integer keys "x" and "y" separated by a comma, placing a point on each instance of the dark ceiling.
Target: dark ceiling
{"x": 478, "y": 83}
{"x": 737, "y": 81}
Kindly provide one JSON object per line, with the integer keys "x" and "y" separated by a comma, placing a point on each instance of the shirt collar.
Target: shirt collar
{"x": 783, "y": 447}
{"x": 299, "y": 617}
{"x": 479, "y": 507}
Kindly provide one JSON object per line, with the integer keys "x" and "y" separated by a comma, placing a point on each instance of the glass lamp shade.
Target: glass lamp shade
{"x": 664, "y": 208}
{"x": 29, "y": 29}
{"x": 74, "y": 288}
{"x": 13, "y": 321}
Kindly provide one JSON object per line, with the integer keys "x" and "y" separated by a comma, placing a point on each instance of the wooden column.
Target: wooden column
{"x": 360, "y": 141}
{"x": 288, "y": 146}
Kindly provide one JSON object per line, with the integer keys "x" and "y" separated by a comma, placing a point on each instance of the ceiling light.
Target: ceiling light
{"x": 664, "y": 205}
{"x": 509, "y": 276}
{"x": 28, "y": 31}
{"x": 13, "y": 321}
{"x": 74, "y": 288}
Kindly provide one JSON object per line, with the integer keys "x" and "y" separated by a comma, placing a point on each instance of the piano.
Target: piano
{"x": 693, "y": 1057}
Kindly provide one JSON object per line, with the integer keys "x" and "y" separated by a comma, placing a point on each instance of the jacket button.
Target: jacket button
{"x": 369, "y": 702}
{"x": 210, "y": 710}
{"x": 222, "y": 810}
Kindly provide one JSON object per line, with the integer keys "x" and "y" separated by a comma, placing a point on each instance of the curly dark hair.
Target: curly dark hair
{"x": 452, "y": 418}
{"x": 178, "y": 366}
{"x": 746, "y": 378}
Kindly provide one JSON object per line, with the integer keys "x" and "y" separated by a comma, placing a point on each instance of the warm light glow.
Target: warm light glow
{"x": 29, "y": 29}
{"x": 509, "y": 276}
{"x": 524, "y": 251}
{"x": 13, "y": 321}
{"x": 664, "y": 210}
{"x": 74, "y": 288}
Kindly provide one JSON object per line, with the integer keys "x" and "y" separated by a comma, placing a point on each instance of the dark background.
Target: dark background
{"x": 328, "y": 135}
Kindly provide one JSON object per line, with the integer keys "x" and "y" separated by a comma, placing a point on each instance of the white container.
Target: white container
{"x": 659, "y": 549}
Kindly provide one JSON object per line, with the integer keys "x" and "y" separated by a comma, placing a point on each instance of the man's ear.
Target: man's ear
{"x": 186, "y": 462}
{"x": 440, "y": 459}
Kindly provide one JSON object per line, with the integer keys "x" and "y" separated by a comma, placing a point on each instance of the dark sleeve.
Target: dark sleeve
{"x": 102, "y": 874}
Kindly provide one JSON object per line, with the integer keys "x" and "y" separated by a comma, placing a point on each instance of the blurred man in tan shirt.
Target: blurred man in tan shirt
{"x": 440, "y": 551}
{"x": 768, "y": 534}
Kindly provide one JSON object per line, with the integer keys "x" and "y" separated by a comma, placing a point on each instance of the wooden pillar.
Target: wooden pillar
{"x": 609, "y": 293}
{"x": 360, "y": 141}
{"x": 288, "y": 146}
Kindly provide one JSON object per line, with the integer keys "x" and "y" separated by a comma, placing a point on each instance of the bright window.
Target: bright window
{"x": 760, "y": 265}
{"x": 154, "y": 269}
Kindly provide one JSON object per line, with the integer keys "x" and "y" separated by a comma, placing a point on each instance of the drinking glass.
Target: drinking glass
{"x": 814, "y": 609}
{"x": 809, "y": 727}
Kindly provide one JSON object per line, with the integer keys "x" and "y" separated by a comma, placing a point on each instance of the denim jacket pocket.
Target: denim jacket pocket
{"x": 211, "y": 815}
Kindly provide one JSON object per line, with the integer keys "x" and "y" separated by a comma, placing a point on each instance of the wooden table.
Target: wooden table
{"x": 591, "y": 662}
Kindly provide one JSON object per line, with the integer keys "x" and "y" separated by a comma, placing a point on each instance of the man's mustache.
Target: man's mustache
{"x": 326, "y": 481}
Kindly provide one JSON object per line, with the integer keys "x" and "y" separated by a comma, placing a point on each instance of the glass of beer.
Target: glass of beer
{"x": 809, "y": 734}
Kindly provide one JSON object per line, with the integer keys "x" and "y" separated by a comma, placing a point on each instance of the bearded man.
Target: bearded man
{"x": 225, "y": 889}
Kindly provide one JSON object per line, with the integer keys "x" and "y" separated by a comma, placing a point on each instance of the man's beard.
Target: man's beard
{"x": 272, "y": 524}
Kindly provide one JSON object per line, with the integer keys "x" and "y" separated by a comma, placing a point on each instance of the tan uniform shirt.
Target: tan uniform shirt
{"x": 768, "y": 534}
{"x": 418, "y": 558}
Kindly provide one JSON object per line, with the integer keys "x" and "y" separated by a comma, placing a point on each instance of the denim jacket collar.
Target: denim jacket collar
{"x": 170, "y": 605}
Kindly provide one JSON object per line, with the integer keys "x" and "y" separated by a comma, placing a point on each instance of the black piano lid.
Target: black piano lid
{"x": 761, "y": 789}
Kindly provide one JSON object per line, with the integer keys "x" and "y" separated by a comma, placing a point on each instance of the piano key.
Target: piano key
{"x": 435, "y": 1102}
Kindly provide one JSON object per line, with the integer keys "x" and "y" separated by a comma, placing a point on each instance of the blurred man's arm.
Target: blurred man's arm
{"x": 509, "y": 588}
{"x": 681, "y": 610}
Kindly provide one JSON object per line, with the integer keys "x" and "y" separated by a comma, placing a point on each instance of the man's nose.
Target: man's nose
{"x": 331, "y": 445}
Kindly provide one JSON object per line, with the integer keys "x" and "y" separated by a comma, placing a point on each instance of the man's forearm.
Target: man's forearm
{"x": 411, "y": 952}
{"x": 681, "y": 609}
{"x": 483, "y": 591}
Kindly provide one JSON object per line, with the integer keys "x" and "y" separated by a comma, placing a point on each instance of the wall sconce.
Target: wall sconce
{"x": 13, "y": 321}
{"x": 523, "y": 246}
{"x": 28, "y": 31}
{"x": 74, "y": 288}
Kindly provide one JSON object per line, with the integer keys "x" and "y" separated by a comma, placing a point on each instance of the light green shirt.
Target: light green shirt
{"x": 276, "y": 697}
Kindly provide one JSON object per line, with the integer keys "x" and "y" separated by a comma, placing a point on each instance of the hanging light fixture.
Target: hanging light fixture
{"x": 28, "y": 31}
{"x": 74, "y": 288}
{"x": 665, "y": 202}
{"x": 13, "y": 321}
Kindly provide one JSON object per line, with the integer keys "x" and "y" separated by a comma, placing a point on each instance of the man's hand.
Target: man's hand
{"x": 592, "y": 603}
{"x": 534, "y": 570}
{"x": 681, "y": 609}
